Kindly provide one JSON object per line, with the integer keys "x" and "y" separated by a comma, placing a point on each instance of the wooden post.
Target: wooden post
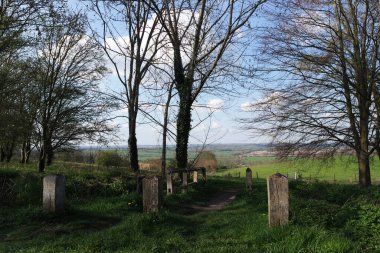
{"x": 204, "y": 175}
{"x": 248, "y": 179}
{"x": 169, "y": 183}
{"x": 195, "y": 176}
{"x": 278, "y": 200}
{"x": 53, "y": 193}
{"x": 152, "y": 194}
{"x": 257, "y": 175}
{"x": 184, "y": 181}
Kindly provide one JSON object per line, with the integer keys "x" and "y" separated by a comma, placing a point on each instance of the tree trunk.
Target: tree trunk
{"x": 49, "y": 155}
{"x": 23, "y": 153}
{"x": 132, "y": 143}
{"x": 165, "y": 132}
{"x": 2, "y": 154}
{"x": 183, "y": 132}
{"x": 28, "y": 150}
{"x": 9, "y": 151}
{"x": 42, "y": 160}
{"x": 163, "y": 155}
{"x": 364, "y": 169}
{"x": 363, "y": 152}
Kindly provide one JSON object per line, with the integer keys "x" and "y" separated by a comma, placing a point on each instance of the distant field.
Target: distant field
{"x": 342, "y": 168}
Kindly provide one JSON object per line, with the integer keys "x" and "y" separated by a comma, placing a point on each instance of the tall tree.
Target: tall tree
{"x": 68, "y": 69}
{"x": 328, "y": 54}
{"x": 17, "y": 20}
{"x": 131, "y": 39}
{"x": 200, "y": 35}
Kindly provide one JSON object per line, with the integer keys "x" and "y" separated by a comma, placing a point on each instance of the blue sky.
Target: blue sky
{"x": 221, "y": 127}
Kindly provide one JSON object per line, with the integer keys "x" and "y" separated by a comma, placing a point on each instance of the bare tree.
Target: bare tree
{"x": 68, "y": 69}
{"x": 17, "y": 19}
{"x": 326, "y": 54}
{"x": 200, "y": 35}
{"x": 130, "y": 38}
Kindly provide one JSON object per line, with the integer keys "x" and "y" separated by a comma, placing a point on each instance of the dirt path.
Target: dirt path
{"x": 218, "y": 202}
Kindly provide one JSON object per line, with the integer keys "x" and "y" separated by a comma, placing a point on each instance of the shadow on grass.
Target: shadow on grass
{"x": 40, "y": 224}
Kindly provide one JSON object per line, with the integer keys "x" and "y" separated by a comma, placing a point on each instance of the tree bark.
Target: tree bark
{"x": 183, "y": 132}
{"x": 364, "y": 169}
{"x": 2, "y": 154}
{"x": 23, "y": 153}
{"x": 165, "y": 132}
{"x": 49, "y": 154}
{"x": 132, "y": 143}
{"x": 42, "y": 160}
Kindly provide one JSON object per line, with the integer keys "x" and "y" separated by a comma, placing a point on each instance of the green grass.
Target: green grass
{"x": 103, "y": 214}
{"x": 340, "y": 168}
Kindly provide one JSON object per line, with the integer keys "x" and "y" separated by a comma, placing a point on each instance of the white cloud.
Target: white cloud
{"x": 215, "y": 125}
{"x": 247, "y": 106}
{"x": 215, "y": 104}
{"x": 272, "y": 100}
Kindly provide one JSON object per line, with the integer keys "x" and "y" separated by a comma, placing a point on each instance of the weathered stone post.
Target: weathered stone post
{"x": 184, "y": 181}
{"x": 169, "y": 183}
{"x": 248, "y": 179}
{"x": 278, "y": 200}
{"x": 152, "y": 194}
{"x": 53, "y": 193}
{"x": 195, "y": 176}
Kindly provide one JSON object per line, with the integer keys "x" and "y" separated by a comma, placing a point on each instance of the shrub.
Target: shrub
{"x": 111, "y": 158}
{"x": 208, "y": 160}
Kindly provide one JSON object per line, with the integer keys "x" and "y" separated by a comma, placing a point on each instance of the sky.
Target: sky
{"x": 219, "y": 121}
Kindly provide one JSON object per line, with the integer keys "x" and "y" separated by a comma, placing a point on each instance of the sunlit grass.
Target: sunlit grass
{"x": 339, "y": 168}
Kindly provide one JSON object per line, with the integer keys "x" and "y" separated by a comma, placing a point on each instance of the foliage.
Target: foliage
{"x": 208, "y": 160}
{"x": 111, "y": 158}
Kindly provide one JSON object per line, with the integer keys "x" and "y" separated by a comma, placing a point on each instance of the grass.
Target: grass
{"x": 103, "y": 214}
{"x": 340, "y": 168}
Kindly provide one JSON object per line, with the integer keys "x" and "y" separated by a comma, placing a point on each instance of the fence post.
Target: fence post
{"x": 53, "y": 193}
{"x": 195, "y": 176}
{"x": 248, "y": 179}
{"x": 169, "y": 183}
{"x": 152, "y": 194}
{"x": 278, "y": 200}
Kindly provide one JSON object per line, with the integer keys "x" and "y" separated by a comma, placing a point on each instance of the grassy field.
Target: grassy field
{"x": 342, "y": 169}
{"x": 103, "y": 214}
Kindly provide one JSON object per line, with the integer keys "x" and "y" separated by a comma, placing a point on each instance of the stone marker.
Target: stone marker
{"x": 152, "y": 194}
{"x": 169, "y": 183}
{"x": 278, "y": 200}
{"x": 248, "y": 179}
{"x": 53, "y": 193}
{"x": 139, "y": 186}
{"x": 195, "y": 176}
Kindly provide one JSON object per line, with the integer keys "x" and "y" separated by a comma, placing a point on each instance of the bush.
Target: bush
{"x": 111, "y": 158}
{"x": 208, "y": 160}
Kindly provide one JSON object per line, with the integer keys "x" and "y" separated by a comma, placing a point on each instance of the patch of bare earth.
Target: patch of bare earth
{"x": 217, "y": 202}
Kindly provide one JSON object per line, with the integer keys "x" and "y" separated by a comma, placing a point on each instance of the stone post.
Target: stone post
{"x": 53, "y": 193}
{"x": 169, "y": 183}
{"x": 248, "y": 179}
{"x": 152, "y": 194}
{"x": 278, "y": 200}
{"x": 195, "y": 176}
